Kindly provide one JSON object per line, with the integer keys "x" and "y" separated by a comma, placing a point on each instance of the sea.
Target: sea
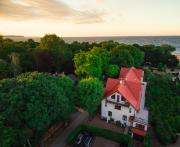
{"x": 142, "y": 40}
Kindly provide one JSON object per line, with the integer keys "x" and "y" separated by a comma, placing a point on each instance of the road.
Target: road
{"x": 77, "y": 118}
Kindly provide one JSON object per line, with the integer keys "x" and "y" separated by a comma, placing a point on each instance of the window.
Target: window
{"x": 117, "y": 98}
{"x": 109, "y": 113}
{"x": 130, "y": 110}
{"x": 124, "y": 117}
{"x": 118, "y": 107}
{"x": 113, "y": 96}
{"x": 122, "y": 98}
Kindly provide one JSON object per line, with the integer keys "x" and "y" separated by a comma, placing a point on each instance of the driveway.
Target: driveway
{"x": 77, "y": 119}
{"x": 97, "y": 122}
{"x": 101, "y": 142}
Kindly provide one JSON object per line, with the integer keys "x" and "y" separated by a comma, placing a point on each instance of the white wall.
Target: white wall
{"x": 116, "y": 114}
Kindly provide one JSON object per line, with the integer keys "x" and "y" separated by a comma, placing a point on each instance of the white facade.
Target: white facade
{"x": 116, "y": 108}
{"x": 120, "y": 113}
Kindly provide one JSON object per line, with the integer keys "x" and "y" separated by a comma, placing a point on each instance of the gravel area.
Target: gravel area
{"x": 96, "y": 121}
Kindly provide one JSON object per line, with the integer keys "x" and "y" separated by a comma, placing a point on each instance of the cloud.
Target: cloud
{"x": 54, "y": 10}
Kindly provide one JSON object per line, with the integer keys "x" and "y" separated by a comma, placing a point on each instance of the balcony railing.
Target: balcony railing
{"x": 126, "y": 104}
{"x": 140, "y": 120}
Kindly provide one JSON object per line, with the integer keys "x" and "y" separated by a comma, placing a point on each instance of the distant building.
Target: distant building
{"x": 124, "y": 100}
{"x": 177, "y": 55}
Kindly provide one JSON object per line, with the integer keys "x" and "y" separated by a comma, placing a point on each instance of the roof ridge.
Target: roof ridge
{"x": 132, "y": 69}
{"x": 130, "y": 90}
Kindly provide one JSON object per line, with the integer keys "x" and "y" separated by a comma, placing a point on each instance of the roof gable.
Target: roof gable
{"x": 128, "y": 85}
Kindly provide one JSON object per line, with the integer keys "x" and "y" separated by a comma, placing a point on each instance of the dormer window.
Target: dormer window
{"x": 122, "y": 98}
{"x": 113, "y": 97}
{"x": 117, "y": 98}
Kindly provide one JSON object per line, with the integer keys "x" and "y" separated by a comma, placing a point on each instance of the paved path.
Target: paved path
{"x": 78, "y": 118}
{"x": 126, "y": 130}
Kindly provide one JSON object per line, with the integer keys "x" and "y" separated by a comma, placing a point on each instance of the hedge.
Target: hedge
{"x": 147, "y": 141}
{"x": 107, "y": 134}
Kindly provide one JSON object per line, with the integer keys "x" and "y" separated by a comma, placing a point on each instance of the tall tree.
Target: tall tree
{"x": 57, "y": 48}
{"x": 44, "y": 61}
{"x": 103, "y": 54}
{"x": 15, "y": 63}
{"x": 88, "y": 65}
{"x": 90, "y": 92}
{"x": 121, "y": 57}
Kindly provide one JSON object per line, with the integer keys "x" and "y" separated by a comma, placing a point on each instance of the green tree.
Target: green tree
{"x": 7, "y": 135}
{"x": 160, "y": 92}
{"x": 89, "y": 94}
{"x": 34, "y": 101}
{"x": 4, "y": 69}
{"x": 15, "y": 63}
{"x": 137, "y": 54}
{"x": 136, "y": 57}
{"x": 103, "y": 54}
{"x": 112, "y": 70}
{"x": 154, "y": 55}
{"x": 88, "y": 65}
{"x": 1, "y": 42}
{"x": 57, "y": 48}
{"x": 109, "y": 45}
{"x": 121, "y": 57}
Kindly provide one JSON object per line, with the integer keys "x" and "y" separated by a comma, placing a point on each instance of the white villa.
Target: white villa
{"x": 124, "y": 100}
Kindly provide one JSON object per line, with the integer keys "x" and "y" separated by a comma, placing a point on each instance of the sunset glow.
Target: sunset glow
{"x": 90, "y": 17}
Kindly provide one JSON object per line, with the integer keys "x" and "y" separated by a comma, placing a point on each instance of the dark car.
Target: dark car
{"x": 78, "y": 140}
{"x": 88, "y": 140}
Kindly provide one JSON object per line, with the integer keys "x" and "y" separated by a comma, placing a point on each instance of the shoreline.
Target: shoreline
{"x": 141, "y": 40}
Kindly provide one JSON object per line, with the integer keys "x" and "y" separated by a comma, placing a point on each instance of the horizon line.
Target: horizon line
{"x": 93, "y": 36}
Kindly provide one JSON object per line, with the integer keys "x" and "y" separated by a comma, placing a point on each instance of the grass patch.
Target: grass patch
{"x": 105, "y": 133}
{"x": 147, "y": 141}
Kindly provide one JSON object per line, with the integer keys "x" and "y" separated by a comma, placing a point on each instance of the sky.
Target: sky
{"x": 76, "y": 18}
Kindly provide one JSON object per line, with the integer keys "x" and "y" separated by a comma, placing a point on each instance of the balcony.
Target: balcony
{"x": 126, "y": 104}
{"x": 141, "y": 121}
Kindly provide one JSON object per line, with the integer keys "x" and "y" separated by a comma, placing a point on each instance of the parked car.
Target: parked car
{"x": 88, "y": 140}
{"x": 78, "y": 140}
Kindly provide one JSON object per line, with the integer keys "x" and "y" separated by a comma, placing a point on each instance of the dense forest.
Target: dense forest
{"x": 163, "y": 101}
{"x": 36, "y": 92}
{"x": 52, "y": 55}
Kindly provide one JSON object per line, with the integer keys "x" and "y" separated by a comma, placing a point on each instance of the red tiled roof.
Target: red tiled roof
{"x": 128, "y": 85}
{"x": 131, "y": 73}
{"x": 138, "y": 131}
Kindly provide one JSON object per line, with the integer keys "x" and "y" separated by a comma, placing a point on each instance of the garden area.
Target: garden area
{"x": 34, "y": 82}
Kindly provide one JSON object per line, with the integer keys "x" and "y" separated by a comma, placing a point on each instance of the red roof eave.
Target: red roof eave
{"x": 138, "y": 132}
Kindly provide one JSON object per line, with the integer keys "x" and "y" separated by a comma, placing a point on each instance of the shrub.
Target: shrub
{"x": 112, "y": 70}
